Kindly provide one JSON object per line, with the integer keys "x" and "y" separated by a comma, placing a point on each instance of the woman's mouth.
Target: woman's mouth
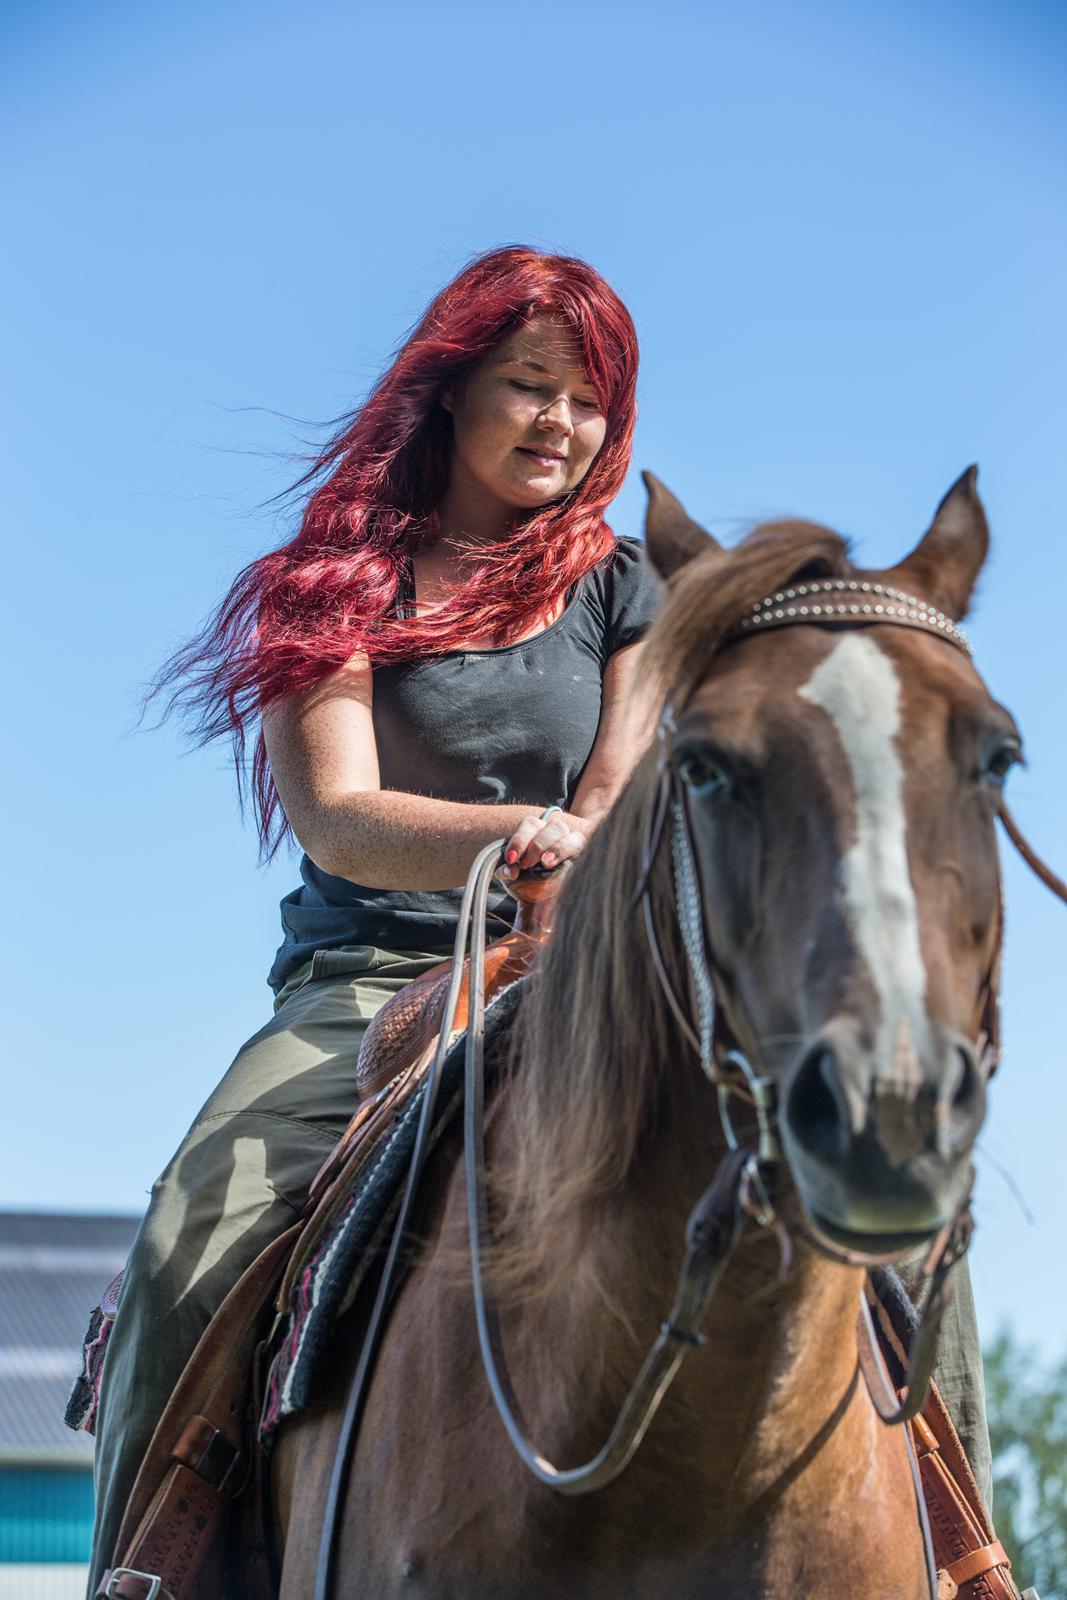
{"x": 547, "y": 459}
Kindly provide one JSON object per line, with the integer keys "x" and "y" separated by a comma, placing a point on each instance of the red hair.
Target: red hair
{"x": 295, "y": 615}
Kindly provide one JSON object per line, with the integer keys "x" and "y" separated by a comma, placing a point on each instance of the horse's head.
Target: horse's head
{"x": 841, "y": 779}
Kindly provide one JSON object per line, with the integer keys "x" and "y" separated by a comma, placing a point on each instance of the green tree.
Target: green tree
{"x": 1028, "y": 1429}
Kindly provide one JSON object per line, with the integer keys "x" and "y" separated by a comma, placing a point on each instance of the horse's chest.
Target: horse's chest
{"x": 489, "y": 1537}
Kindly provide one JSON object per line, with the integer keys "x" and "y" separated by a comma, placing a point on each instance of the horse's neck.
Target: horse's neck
{"x": 779, "y": 1367}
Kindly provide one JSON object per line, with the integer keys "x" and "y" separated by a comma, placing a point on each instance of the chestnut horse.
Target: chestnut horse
{"x": 841, "y": 778}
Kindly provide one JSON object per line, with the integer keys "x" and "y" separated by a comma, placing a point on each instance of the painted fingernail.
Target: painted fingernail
{"x": 511, "y": 855}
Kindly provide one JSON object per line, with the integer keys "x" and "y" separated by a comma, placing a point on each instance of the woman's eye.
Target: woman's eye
{"x": 535, "y": 388}
{"x": 701, "y": 773}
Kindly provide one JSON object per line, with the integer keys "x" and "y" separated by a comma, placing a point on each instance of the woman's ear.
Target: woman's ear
{"x": 447, "y": 398}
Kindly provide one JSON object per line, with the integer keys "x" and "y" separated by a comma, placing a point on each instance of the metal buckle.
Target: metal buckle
{"x": 764, "y": 1093}
{"x": 753, "y": 1196}
{"x": 154, "y": 1584}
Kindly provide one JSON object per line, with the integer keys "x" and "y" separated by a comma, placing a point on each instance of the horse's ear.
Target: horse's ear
{"x": 945, "y": 564}
{"x": 671, "y": 536}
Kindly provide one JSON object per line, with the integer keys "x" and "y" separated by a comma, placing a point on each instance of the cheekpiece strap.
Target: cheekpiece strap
{"x": 691, "y": 922}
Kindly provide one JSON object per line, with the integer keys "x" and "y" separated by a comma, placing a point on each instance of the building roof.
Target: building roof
{"x": 53, "y": 1268}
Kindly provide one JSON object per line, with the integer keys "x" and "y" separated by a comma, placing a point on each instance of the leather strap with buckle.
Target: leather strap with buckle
{"x": 124, "y": 1583}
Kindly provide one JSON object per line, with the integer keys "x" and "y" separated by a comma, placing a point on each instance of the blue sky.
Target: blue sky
{"x": 841, "y": 232}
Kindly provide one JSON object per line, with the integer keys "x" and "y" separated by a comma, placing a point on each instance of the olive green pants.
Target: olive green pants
{"x": 958, "y": 1370}
{"x": 238, "y": 1180}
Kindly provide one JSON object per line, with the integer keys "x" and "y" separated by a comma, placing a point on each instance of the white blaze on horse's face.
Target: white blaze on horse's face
{"x": 857, "y": 686}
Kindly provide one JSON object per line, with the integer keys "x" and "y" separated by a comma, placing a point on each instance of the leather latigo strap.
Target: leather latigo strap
{"x": 979, "y": 1561}
{"x": 971, "y": 1560}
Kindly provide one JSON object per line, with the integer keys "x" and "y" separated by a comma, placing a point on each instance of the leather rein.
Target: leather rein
{"x": 741, "y": 1189}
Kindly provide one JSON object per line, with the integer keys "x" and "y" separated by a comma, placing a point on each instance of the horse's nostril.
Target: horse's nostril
{"x": 817, "y": 1115}
{"x": 964, "y": 1104}
{"x": 969, "y": 1086}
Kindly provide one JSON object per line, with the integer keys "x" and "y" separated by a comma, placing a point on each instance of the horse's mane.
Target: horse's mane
{"x": 595, "y": 1034}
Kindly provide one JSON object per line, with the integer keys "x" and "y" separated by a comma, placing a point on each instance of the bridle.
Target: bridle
{"x": 839, "y": 603}
{"x": 742, "y": 1188}
{"x": 834, "y": 602}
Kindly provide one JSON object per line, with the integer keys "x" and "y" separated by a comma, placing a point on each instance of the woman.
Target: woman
{"x": 445, "y": 654}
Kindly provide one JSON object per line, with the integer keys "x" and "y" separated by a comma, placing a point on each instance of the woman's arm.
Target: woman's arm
{"x": 324, "y": 761}
{"x": 627, "y": 723}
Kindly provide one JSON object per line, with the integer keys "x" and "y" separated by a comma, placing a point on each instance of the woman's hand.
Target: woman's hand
{"x": 548, "y": 843}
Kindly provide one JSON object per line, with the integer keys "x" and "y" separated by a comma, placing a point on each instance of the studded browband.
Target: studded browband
{"x": 850, "y": 600}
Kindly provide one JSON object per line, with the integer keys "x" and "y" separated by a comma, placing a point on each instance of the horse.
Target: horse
{"x": 838, "y": 764}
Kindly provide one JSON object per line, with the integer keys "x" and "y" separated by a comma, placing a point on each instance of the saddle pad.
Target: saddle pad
{"x": 84, "y": 1398}
{"x": 329, "y": 1279}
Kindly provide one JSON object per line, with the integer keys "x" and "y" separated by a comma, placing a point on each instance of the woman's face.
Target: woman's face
{"x": 527, "y": 421}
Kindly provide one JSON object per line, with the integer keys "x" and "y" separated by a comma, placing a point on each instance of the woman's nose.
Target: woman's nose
{"x": 557, "y": 416}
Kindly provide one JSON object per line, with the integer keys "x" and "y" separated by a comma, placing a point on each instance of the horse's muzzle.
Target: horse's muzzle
{"x": 881, "y": 1151}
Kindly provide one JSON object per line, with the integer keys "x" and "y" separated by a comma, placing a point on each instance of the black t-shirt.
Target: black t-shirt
{"x": 508, "y": 726}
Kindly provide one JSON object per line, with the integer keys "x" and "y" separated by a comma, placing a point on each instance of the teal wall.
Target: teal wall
{"x": 46, "y": 1513}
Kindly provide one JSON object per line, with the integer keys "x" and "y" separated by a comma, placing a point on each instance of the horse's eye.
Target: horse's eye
{"x": 702, "y": 774}
{"x": 1001, "y": 760}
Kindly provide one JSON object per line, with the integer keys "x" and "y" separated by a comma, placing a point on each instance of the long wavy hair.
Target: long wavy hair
{"x": 295, "y": 615}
